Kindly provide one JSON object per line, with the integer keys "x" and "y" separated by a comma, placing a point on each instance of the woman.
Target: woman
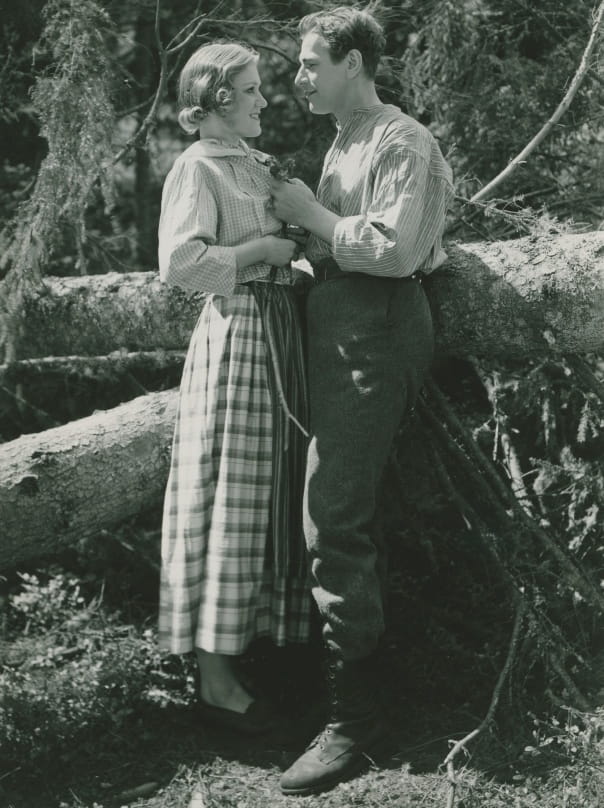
{"x": 233, "y": 558}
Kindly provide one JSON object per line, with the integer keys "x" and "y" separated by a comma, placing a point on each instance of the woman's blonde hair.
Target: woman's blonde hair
{"x": 205, "y": 83}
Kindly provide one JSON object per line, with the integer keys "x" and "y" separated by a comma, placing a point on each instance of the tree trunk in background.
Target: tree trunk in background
{"x": 144, "y": 217}
{"x": 70, "y": 483}
{"x": 500, "y": 300}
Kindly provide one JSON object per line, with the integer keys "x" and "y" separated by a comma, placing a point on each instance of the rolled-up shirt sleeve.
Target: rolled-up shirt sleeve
{"x": 404, "y": 219}
{"x": 188, "y": 255}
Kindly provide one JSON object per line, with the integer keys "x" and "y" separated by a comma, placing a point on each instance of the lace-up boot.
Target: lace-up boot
{"x": 355, "y": 730}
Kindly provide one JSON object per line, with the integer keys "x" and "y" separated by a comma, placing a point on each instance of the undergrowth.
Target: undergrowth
{"x": 90, "y": 712}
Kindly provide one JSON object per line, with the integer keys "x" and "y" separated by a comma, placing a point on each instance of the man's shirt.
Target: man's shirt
{"x": 385, "y": 174}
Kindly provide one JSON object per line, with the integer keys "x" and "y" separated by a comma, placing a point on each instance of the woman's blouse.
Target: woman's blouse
{"x": 386, "y": 176}
{"x": 214, "y": 198}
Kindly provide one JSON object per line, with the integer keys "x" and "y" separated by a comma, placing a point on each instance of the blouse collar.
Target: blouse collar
{"x": 214, "y": 147}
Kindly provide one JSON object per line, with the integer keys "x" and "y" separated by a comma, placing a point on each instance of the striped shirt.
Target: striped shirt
{"x": 386, "y": 176}
{"x": 215, "y": 198}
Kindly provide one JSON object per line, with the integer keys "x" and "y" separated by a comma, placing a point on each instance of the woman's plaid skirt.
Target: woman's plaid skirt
{"x": 220, "y": 587}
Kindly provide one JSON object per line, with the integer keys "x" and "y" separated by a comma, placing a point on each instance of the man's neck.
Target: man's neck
{"x": 360, "y": 96}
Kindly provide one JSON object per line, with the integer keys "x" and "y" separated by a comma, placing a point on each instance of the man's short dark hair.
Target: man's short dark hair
{"x": 345, "y": 29}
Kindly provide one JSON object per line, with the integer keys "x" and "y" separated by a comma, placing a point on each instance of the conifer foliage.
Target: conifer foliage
{"x": 73, "y": 98}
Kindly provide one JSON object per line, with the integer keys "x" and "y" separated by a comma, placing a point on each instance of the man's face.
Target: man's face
{"x": 322, "y": 81}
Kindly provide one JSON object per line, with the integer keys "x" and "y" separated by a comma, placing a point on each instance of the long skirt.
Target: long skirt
{"x": 220, "y": 587}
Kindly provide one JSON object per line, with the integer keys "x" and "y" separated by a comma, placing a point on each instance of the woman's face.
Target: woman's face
{"x": 242, "y": 116}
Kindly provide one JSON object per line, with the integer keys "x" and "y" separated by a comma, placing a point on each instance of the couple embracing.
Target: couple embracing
{"x": 280, "y": 441}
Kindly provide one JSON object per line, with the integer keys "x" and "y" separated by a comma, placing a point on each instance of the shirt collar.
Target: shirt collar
{"x": 360, "y": 112}
{"x": 213, "y": 147}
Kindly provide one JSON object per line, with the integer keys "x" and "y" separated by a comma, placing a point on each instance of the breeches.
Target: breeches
{"x": 370, "y": 343}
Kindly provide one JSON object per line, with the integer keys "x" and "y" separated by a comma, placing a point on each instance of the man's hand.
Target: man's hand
{"x": 293, "y": 202}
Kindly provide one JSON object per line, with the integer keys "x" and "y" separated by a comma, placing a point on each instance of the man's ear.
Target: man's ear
{"x": 354, "y": 62}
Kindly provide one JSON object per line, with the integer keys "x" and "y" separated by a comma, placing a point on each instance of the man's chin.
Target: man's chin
{"x": 315, "y": 108}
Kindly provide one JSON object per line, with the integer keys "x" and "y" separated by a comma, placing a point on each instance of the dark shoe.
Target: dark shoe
{"x": 343, "y": 750}
{"x": 257, "y": 719}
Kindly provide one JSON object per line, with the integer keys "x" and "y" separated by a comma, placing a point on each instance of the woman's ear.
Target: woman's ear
{"x": 354, "y": 62}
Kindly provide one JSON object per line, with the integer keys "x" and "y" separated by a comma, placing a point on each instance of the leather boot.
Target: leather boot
{"x": 354, "y": 731}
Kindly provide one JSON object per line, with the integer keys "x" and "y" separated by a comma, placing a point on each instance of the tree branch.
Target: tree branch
{"x": 562, "y": 107}
{"x": 460, "y": 746}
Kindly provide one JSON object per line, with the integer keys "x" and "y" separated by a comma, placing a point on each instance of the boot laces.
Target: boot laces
{"x": 343, "y": 693}
{"x": 332, "y": 694}
{"x": 322, "y": 738}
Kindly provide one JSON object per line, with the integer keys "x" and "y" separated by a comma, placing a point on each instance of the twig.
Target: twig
{"x": 459, "y": 746}
{"x": 510, "y": 455}
{"x": 149, "y": 118}
{"x": 196, "y": 22}
{"x": 480, "y": 484}
{"x": 573, "y": 572}
{"x": 273, "y": 49}
{"x": 559, "y": 112}
{"x": 587, "y": 376}
{"x": 572, "y": 688}
{"x": 552, "y": 641}
{"x": 9, "y": 774}
{"x": 476, "y": 454}
{"x": 23, "y": 404}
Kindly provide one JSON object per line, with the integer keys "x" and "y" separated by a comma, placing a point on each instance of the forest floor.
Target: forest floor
{"x": 87, "y": 729}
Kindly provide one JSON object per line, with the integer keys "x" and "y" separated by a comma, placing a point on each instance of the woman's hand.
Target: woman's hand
{"x": 279, "y": 251}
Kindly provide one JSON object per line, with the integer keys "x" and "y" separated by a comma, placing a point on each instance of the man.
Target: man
{"x": 375, "y": 226}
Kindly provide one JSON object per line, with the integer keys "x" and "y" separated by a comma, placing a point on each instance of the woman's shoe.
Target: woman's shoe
{"x": 257, "y": 719}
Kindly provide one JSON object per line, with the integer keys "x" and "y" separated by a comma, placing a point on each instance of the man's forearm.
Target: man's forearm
{"x": 320, "y": 222}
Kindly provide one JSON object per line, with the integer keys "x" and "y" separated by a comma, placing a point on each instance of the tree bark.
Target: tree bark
{"x": 74, "y": 481}
{"x": 494, "y": 300}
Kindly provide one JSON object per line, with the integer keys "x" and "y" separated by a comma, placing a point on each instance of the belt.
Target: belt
{"x": 327, "y": 268}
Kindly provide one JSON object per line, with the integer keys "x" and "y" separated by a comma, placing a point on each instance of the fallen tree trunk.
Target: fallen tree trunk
{"x": 40, "y": 370}
{"x": 41, "y": 393}
{"x": 74, "y": 481}
{"x": 494, "y": 300}
{"x": 71, "y": 482}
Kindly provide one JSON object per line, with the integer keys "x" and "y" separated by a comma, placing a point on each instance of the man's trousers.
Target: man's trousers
{"x": 370, "y": 344}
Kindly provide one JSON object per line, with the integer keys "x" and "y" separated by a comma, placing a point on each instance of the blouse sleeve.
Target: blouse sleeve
{"x": 188, "y": 255}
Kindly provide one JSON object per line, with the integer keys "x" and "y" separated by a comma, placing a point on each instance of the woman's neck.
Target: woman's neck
{"x": 216, "y": 130}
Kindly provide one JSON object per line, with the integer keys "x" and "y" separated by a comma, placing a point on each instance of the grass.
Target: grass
{"x": 92, "y": 717}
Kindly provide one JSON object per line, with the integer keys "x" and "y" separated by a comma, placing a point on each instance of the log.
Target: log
{"x": 499, "y": 300}
{"x": 519, "y": 298}
{"x": 40, "y": 370}
{"x": 72, "y": 482}
{"x": 45, "y": 392}
{"x": 75, "y": 481}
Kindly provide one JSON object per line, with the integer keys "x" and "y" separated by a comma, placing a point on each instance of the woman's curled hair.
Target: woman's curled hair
{"x": 205, "y": 83}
